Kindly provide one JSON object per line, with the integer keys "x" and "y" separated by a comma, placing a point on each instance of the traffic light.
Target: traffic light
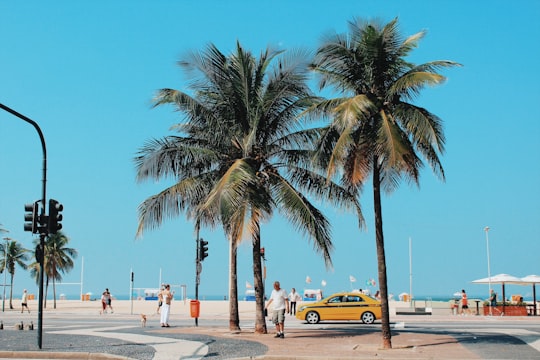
{"x": 203, "y": 249}
{"x": 55, "y": 216}
{"x": 31, "y": 218}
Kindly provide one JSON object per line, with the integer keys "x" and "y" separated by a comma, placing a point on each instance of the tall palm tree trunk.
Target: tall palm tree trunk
{"x": 54, "y": 293}
{"x": 234, "y": 319}
{"x": 260, "y": 322}
{"x": 381, "y": 257}
{"x": 11, "y": 293}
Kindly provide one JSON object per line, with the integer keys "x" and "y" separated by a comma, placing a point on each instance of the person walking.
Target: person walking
{"x": 493, "y": 298}
{"x": 166, "y": 297}
{"x": 281, "y": 306}
{"x": 464, "y": 303}
{"x": 24, "y": 301}
{"x": 293, "y": 298}
{"x": 103, "y": 302}
{"x": 160, "y": 299}
{"x": 108, "y": 297}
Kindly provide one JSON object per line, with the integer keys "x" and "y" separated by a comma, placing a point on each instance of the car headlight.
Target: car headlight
{"x": 302, "y": 308}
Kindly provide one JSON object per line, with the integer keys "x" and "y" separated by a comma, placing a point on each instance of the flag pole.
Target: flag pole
{"x": 410, "y": 272}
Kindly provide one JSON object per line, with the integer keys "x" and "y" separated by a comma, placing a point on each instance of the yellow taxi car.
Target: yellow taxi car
{"x": 342, "y": 306}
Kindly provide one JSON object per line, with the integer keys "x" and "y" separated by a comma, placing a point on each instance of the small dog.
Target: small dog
{"x": 143, "y": 320}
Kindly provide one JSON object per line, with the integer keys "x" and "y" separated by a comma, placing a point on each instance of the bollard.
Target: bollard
{"x": 1, "y": 325}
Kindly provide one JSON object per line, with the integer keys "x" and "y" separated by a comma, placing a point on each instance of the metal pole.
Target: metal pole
{"x": 410, "y": 272}
{"x": 198, "y": 267}
{"x": 132, "y": 276}
{"x": 486, "y": 229}
{"x": 41, "y": 252}
{"x": 82, "y": 272}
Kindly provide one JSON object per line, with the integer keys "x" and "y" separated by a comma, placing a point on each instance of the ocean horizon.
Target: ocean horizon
{"x": 203, "y": 297}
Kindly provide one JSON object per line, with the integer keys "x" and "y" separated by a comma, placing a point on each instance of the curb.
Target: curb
{"x": 59, "y": 355}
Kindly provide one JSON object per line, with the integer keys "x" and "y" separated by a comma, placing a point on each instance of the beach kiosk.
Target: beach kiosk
{"x": 151, "y": 294}
{"x": 312, "y": 295}
{"x": 249, "y": 295}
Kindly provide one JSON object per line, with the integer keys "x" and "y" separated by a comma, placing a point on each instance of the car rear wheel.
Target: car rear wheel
{"x": 312, "y": 317}
{"x": 368, "y": 318}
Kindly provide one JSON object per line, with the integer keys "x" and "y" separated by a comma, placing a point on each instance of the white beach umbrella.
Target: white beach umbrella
{"x": 500, "y": 279}
{"x": 532, "y": 279}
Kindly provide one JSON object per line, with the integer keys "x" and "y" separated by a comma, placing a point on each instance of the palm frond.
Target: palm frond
{"x": 303, "y": 216}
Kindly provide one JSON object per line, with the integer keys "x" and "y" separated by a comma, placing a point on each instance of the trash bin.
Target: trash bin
{"x": 195, "y": 306}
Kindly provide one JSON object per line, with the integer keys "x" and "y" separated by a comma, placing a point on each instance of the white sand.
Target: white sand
{"x": 214, "y": 309}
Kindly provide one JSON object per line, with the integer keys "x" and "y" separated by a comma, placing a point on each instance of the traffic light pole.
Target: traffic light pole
{"x": 41, "y": 252}
{"x": 198, "y": 268}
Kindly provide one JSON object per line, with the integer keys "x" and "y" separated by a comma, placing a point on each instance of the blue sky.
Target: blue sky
{"x": 87, "y": 71}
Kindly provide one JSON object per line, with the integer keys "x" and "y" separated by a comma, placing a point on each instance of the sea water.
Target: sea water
{"x": 420, "y": 298}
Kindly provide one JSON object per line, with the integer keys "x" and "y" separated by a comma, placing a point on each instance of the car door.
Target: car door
{"x": 333, "y": 309}
{"x": 356, "y": 307}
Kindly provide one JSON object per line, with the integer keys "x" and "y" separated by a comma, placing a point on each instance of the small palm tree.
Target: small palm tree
{"x": 13, "y": 254}
{"x": 58, "y": 260}
{"x": 376, "y": 129}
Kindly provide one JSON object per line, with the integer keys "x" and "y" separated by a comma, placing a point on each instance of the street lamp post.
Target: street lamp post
{"x": 486, "y": 229}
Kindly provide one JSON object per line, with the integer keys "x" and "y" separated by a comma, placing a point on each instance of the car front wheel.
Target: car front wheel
{"x": 312, "y": 317}
{"x": 368, "y": 318}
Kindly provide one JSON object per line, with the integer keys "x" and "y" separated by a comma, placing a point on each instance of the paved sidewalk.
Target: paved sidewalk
{"x": 298, "y": 344}
{"x": 344, "y": 343}
{"x": 301, "y": 342}
{"x": 121, "y": 342}
{"x": 120, "y": 336}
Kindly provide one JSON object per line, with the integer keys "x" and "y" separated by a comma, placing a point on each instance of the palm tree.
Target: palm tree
{"x": 13, "y": 254}
{"x": 244, "y": 153}
{"x": 58, "y": 260}
{"x": 195, "y": 158}
{"x": 376, "y": 130}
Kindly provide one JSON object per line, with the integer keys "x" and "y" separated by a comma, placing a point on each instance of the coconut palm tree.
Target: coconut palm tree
{"x": 244, "y": 153}
{"x": 12, "y": 254}
{"x": 376, "y": 130}
{"x": 58, "y": 260}
{"x": 196, "y": 158}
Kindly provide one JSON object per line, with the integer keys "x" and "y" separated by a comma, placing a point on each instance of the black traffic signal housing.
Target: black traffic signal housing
{"x": 55, "y": 216}
{"x": 31, "y": 218}
{"x": 203, "y": 249}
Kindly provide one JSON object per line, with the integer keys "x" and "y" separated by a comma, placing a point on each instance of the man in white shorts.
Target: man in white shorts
{"x": 281, "y": 305}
